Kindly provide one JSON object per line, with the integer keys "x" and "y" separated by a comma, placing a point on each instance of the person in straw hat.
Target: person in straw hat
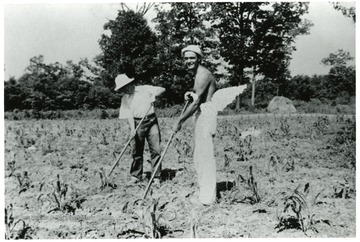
{"x": 136, "y": 103}
{"x": 206, "y": 102}
{"x": 203, "y": 90}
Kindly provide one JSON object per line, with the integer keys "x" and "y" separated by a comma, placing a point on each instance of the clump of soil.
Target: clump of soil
{"x": 281, "y": 105}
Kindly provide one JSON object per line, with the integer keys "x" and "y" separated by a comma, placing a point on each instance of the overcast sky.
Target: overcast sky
{"x": 62, "y": 32}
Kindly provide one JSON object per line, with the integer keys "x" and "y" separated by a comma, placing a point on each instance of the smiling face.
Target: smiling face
{"x": 191, "y": 60}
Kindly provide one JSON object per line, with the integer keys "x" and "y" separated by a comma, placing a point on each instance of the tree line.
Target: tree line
{"x": 241, "y": 42}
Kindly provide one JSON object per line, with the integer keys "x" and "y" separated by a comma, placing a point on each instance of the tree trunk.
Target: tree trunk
{"x": 253, "y": 90}
{"x": 238, "y": 98}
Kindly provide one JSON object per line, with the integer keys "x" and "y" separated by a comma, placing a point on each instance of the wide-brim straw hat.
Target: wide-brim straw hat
{"x": 194, "y": 48}
{"x": 122, "y": 80}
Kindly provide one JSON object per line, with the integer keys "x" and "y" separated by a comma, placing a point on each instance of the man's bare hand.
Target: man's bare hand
{"x": 177, "y": 127}
{"x": 132, "y": 133}
{"x": 190, "y": 96}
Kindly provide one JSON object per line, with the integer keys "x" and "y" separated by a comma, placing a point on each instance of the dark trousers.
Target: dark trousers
{"x": 149, "y": 130}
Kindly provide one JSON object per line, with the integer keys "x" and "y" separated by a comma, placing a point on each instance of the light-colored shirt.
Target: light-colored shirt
{"x": 137, "y": 104}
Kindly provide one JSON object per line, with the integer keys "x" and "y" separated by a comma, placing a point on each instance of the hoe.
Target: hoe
{"x": 104, "y": 178}
{"x": 161, "y": 158}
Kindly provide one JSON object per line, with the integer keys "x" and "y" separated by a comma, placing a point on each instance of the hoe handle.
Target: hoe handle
{"x": 128, "y": 143}
{"x": 161, "y": 158}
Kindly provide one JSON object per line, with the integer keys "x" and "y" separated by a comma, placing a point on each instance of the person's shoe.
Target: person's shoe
{"x": 134, "y": 180}
{"x": 195, "y": 201}
{"x": 156, "y": 181}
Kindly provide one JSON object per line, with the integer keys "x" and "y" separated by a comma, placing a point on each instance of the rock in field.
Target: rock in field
{"x": 281, "y": 105}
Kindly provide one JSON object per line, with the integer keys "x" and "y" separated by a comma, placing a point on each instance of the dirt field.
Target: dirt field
{"x": 292, "y": 176}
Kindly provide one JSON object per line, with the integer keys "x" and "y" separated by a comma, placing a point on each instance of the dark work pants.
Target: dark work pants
{"x": 149, "y": 130}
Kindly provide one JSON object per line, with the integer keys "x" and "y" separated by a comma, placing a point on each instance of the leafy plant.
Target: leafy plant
{"x": 104, "y": 181}
{"x": 342, "y": 189}
{"x": 297, "y": 212}
{"x": 152, "y": 219}
{"x": 235, "y": 195}
{"x": 60, "y": 199}
{"x": 245, "y": 148}
{"x": 183, "y": 150}
{"x": 321, "y": 124}
{"x": 11, "y": 165}
{"x": 12, "y": 232}
{"x": 285, "y": 127}
{"x": 281, "y": 164}
{"x": 24, "y": 181}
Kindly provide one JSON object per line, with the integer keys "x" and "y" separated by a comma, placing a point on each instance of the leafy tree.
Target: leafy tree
{"x": 346, "y": 11}
{"x": 130, "y": 49}
{"x": 341, "y": 78}
{"x": 182, "y": 25}
{"x": 300, "y": 88}
{"x": 259, "y": 36}
{"x": 13, "y": 95}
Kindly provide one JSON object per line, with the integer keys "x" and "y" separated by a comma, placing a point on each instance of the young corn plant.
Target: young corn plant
{"x": 13, "y": 231}
{"x": 194, "y": 224}
{"x": 104, "y": 181}
{"x": 244, "y": 185}
{"x": 279, "y": 164}
{"x": 342, "y": 189}
{"x": 60, "y": 199}
{"x": 151, "y": 219}
{"x": 11, "y": 166}
{"x": 285, "y": 127}
{"x": 297, "y": 212}
{"x": 255, "y": 198}
{"x": 246, "y": 149}
{"x": 183, "y": 150}
{"x": 24, "y": 181}
{"x": 321, "y": 125}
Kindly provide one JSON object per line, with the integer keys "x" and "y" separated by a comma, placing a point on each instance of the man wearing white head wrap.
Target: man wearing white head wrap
{"x": 206, "y": 103}
{"x": 204, "y": 88}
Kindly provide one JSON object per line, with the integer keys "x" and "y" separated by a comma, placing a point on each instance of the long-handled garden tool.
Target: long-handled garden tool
{"x": 162, "y": 157}
{"x": 104, "y": 178}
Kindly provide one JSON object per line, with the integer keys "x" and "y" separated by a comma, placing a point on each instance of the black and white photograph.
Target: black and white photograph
{"x": 179, "y": 120}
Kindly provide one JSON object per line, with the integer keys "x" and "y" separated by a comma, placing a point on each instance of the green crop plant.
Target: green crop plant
{"x": 285, "y": 127}
{"x": 298, "y": 210}
{"x": 280, "y": 164}
{"x": 23, "y": 180}
{"x": 13, "y": 231}
{"x": 321, "y": 124}
{"x": 243, "y": 185}
{"x": 151, "y": 218}
{"x": 59, "y": 198}
{"x": 104, "y": 180}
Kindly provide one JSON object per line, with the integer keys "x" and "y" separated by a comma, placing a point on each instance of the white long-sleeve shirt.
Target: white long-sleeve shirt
{"x": 137, "y": 104}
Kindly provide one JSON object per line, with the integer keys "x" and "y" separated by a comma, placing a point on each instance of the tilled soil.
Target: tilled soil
{"x": 306, "y": 163}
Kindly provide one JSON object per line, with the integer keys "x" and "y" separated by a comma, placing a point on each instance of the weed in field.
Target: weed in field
{"x": 12, "y": 231}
